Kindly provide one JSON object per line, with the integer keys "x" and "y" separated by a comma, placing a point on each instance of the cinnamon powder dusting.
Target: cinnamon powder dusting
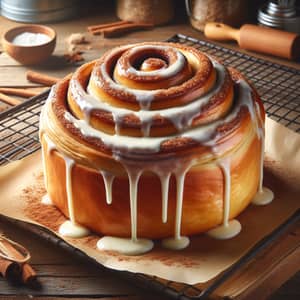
{"x": 46, "y": 215}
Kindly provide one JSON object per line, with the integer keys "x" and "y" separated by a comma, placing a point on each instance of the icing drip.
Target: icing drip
{"x": 125, "y": 246}
{"x": 261, "y": 169}
{"x": 133, "y": 176}
{"x": 118, "y": 122}
{"x": 70, "y": 228}
{"x": 108, "y": 179}
{"x": 255, "y": 113}
{"x": 134, "y": 245}
{"x": 146, "y": 127}
{"x": 226, "y": 232}
{"x": 225, "y": 166}
{"x": 165, "y": 180}
{"x": 45, "y": 170}
{"x": 69, "y": 166}
{"x": 73, "y": 230}
{"x": 259, "y": 127}
{"x": 47, "y": 200}
{"x": 228, "y": 229}
{"x": 178, "y": 242}
{"x": 263, "y": 197}
{"x": 179, "y": 199}
{"x": 50, "y": 148}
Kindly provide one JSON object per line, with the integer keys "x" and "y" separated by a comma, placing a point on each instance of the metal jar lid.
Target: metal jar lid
{"x": 280, "y": 14}
{"x": 39, "y": 11}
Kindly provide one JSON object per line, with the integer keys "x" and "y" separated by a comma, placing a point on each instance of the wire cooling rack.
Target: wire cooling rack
{"x": 279, "y": 87}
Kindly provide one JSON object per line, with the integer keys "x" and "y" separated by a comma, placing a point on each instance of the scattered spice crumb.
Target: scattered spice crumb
{"x": 74, "y": 57}
{"x": 46, "y": 215}
{"x": 76, "y": 39}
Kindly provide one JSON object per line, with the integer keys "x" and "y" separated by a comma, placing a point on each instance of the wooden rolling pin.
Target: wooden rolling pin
{"x": 257, "y": 38}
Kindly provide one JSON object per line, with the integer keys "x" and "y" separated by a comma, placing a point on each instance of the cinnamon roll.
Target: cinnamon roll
{"x": 153, "y": 141}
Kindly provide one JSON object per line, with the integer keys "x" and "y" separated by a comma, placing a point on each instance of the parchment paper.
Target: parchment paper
{"x": 21, "y": 189}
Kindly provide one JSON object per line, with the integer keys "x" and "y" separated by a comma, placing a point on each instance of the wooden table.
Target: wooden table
{"x": 63, "y": 275}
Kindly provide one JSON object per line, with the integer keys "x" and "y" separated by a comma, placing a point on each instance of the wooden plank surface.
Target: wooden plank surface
{"x": 63, "y": 275}
{"x": 269, "y": 269}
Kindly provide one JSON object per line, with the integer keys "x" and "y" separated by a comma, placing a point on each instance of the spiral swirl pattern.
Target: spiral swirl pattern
{"x": 159, "y": 107}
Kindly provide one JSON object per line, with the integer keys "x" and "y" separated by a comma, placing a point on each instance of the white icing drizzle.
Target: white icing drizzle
{"x": 143, "y": 97}
{"x": 170, "y": 71}
{"x": 132, "y": 246}
{"x": 69, "y": 166}
{"x": 118, "y": 122}
{"x": 50, "y": 145}
{"x": 146, "y": 127}
{"x": 108, "y": 179}
{"x": 73, "y": 230}
{"x": 181, "y": 117}
{"x": 145, "y": 145}
{"x": 226, "y": 232}
{"x": 133, "y": 176}
{"x": 50, "y": 148}
{"x": 259, "y": 128}
{"x": 47, "y": 200}
{"x": 263, "y": 197}
{"x": 180, "y": 177}
{"x": 225, "y": 166}
{"x": 228, "y": 229}
{"x": 45, "y": 170}
{"x": 178, "y": 241}
{"x": 125, "y": 246}
{"x": 117, "y": 142}
{"x": 165, "y": 181}
{"x": 70, "y": 228}
{"x": 176, "y": 244}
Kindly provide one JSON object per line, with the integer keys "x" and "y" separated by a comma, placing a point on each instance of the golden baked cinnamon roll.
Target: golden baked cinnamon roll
{"x": 153, "y": 141}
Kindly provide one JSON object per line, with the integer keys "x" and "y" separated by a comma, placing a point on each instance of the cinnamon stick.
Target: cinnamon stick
{"x": 29, "y": 276}
{"x": 41, "y": 78}
{"x": 26, "y": 93}
{"x": 10, "y": 270}
{"x": 118, "y": 30}
{"x": 106, "y": 25}
{"x": 9, "y": 100}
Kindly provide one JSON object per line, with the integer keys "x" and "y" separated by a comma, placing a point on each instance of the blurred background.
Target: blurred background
{"x": 275, "y": 13}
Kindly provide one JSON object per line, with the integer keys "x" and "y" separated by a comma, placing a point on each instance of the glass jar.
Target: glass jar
{"x": 146, "y": 11}
{"x": 231, "y": 12}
